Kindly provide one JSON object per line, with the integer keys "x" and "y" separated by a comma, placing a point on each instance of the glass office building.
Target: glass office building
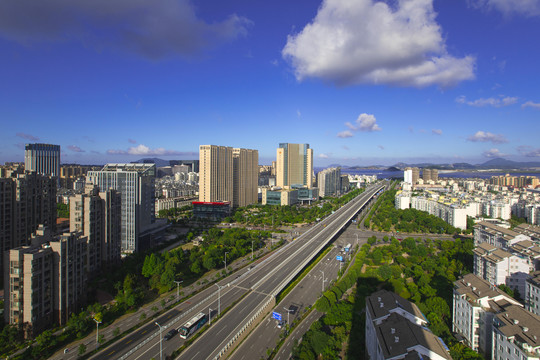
{"x": 135, "y": 182}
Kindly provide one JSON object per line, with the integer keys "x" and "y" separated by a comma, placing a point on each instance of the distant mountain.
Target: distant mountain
{"x": 462, "y": 166}
{"x": 157, "y": 161}
{"x": 500, "y": 163}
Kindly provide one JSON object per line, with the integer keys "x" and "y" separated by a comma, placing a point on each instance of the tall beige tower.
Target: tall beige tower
{"x": 294, "y": 165}
{"x": 215, "y": 173}
{"x": 245, "y": 177}
{"x": 227, "y": 174}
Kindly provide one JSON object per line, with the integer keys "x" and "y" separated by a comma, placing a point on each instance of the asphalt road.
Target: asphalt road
{"x": 256, "y": 285}
{"x": 289, "y": 262}
{"x": 267, "y": 334}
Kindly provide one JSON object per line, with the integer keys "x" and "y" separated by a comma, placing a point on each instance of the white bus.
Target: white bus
{"x": 192, "y": 325}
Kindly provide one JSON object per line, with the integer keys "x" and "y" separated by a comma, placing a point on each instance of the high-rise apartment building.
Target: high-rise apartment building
{"x": 245, "y": 177}
{"x": 426, "y": 175}
{"x": 26, "y": 200}
{"x": 135, "y": 183}
{"x": 329, "y": 182}
{"x": 294, "y": 165}
{"x": 215, "y": 173}
{"x": 43, "y": 159}
{"x": 228, "y": 174}
{"x": 29, "y": 288}
{"x": 415, "y": 175}
{"x": 98, "y": 216}
{"x": 407, "y": 175}
{"x": 45, "y": 281}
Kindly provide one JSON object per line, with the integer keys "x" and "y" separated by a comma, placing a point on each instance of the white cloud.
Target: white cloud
{"x": 75, "y": 148}
{"x": 364, "y": 122}
{"x": 146, "y": 151}
{"x": 528, "y": 151}
{"x": 493, "y": 153}
{"x": 27, "y": 136}
{"x": 154, "y": 29}
{"x": 298, "y": 113}
{"x": 495, "y": 102}
{"x": 531, "y": 104}
{"x": 323, "y": 156}
{"x": 509, "y": 7}
{"x": 486, "y": 136}
{"x": 345, "y": 134}
{"x": 370, "y": 42}
{"x": 436, "y": 131}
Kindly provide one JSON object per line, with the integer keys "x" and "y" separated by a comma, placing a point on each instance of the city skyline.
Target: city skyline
{"x": 362, "y": 82}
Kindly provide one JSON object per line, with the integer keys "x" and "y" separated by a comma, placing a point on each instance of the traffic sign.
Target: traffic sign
{"x": 339, "y": 258}
{"x": 276, "y": 315}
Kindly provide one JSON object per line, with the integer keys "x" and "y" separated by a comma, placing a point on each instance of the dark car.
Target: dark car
{"x": 170, "y": 334}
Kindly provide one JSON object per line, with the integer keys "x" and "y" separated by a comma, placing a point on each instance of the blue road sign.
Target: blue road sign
{"x": 276, "y": 315}
{"x": 339, "y": 258}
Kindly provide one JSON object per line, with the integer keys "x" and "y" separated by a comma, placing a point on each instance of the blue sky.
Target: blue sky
{"x": 363, "y": 82}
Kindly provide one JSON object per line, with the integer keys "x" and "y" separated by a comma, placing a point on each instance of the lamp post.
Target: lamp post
{"x": 219, "y": 298}
{"x": 323, "y": 280}
{"x": 288, "y": 312}
{"x": 178, "y": 288}
{"x": 97, "y": 332}
{"x": 226, "y": 261}
{"x": 160, "y": 341}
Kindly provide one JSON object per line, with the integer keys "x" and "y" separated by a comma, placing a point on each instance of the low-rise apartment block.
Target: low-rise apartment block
{"x": 498, "y": 266}
{"x": 475, "y": 302}
{"x": 396, "y": 329}
{"x": 516, "y": 335}
{"x": 532, "y": 293}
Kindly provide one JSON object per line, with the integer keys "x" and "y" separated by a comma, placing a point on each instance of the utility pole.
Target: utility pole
{"x": 178, "y": 288}
{"x": 97, "y": 332}
{"x": 219, "y": 298}
{"x": 160, "y": 341}
{"x": 288, "y": 312}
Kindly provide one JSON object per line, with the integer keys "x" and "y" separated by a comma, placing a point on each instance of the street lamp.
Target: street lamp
{"x": 178, "y": 288}
{"x": 323, "y": 280}
{"x": 219, "y": 298}
{"x": 97, "y": 332}
{"x": 226, "y": 261}
{"x": 160, "y": 341}
{"x": 288, "y": 312}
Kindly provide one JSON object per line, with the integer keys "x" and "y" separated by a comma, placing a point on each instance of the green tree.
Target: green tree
{"x": 82, "y": 349}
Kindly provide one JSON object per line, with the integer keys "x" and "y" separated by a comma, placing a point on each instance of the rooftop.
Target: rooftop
{"x": 398, "y": 336}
